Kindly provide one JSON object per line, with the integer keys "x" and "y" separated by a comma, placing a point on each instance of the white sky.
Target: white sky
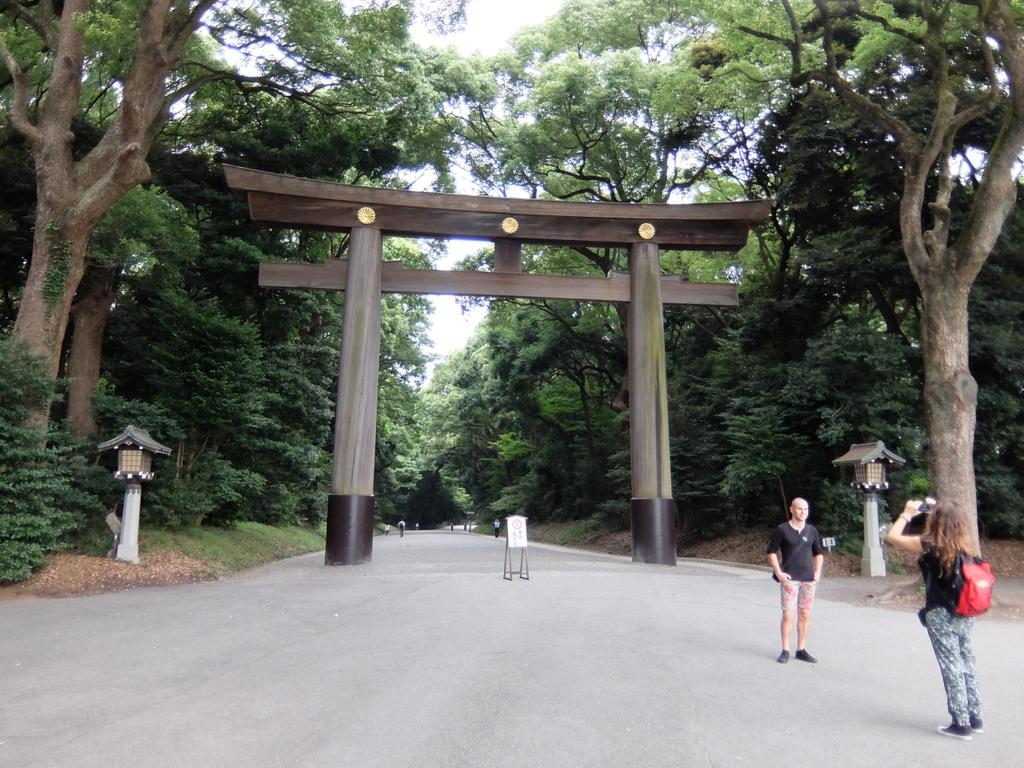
{"x": 489, "y": 25}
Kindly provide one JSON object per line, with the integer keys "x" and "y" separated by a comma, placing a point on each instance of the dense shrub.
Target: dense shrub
{"x": 35, "y": 480}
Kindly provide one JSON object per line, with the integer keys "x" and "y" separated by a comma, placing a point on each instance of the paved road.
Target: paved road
{"x": 427, "y": 657}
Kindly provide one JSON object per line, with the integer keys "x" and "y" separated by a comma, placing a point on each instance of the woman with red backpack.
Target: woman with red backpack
{"x": 945, "y": 540}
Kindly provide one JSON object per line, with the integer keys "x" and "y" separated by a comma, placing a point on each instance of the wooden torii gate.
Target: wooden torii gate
{"x": 370, "y": 213}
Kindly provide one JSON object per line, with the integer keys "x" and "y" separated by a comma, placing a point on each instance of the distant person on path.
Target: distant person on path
{"x": 401, "y": 528}
{"x": 798, "y": 575}
{"x": 497, "y": 527}
{"x": 947, "y": 533}
{"x": 387, "y": 529}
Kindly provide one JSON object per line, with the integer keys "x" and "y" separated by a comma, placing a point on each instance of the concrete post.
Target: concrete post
{"x": 872, "y": 561}
{"x": 128, "y": 544}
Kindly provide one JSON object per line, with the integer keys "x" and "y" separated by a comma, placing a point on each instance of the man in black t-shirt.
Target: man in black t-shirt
{"x": 798, "y": 573}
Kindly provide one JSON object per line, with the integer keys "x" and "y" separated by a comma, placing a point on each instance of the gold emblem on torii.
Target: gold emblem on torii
{"x": 366, "y": 215}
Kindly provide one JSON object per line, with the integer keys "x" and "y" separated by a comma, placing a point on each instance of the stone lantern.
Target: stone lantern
{"x": 869, "y": 461}
{"x": 135, "y": 449}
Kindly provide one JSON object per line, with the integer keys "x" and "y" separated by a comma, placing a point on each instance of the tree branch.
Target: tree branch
{"x": 252, "y": 84}
{"x": 996, "y": 195}
{"x": 61, "y": 100}
{"x": 936, "y": 239}
{"x": 99, "y": 193}
{"x": 906, "y": 139}
{"x": 182, "y": 21}
{"x": 39, "y": 22}
{"x": 994, "y": 94}
{"x": 888, "y": 26}
{"x": 18, "y": 113}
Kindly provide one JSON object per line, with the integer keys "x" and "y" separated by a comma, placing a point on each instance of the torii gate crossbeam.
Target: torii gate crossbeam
{"x": 371, "y": 213}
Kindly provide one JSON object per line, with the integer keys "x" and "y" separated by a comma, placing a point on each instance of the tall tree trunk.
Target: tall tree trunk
{"x": 58, "y": 262}
{"x": 951, "y": 396}
{"x": 89, "y": 316}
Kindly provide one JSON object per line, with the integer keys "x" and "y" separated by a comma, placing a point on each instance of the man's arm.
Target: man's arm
{"x": 819, "y": 561}
{"x": 773, "y": 561}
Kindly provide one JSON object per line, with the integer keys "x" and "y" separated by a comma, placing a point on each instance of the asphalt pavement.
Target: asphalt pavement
{"x": 428, "y": 657}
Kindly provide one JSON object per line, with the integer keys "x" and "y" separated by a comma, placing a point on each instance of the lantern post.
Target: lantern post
{"x": 869, "y": 461}
{"x": 135, "y": 450}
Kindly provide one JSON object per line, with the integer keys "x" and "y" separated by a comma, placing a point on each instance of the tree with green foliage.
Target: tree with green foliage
{"x": 603, "y": 102}
{"x": 959, "y": 141}
{"x": 130, "y": 70}
{"x": 240, "y": 379}
{"x": 821, "y": 351}
{"x": 142, "y": 227}
{"x": 825, "y": 348}
{"x": 431, "y": 502}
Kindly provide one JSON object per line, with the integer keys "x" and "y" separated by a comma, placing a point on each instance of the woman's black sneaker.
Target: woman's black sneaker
{"x": 976, "y": 725}
{"x": 962, "y": 732}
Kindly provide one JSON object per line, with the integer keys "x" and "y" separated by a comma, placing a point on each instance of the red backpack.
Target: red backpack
{"x": 974, "y": 586}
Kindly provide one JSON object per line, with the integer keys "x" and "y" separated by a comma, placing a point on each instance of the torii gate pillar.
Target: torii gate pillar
{"x": 350, "y": 505}
{"x": 652, "y": 510}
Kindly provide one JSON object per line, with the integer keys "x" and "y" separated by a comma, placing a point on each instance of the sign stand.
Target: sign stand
{"x": 515, "y": 538}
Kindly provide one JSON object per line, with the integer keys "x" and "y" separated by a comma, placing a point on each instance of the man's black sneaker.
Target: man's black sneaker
{"x": 805, "y": 656}
{"x": 783, "y": 657}
{"x": 976, "y": 725}
{"x": 962, "y": 732}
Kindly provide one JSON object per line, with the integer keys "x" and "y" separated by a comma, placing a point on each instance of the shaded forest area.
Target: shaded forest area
{"x": 164, "y": 325}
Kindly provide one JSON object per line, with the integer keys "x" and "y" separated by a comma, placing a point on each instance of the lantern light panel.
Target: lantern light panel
{"x": 870, "y": 476}
{"x": 134, "y": 462}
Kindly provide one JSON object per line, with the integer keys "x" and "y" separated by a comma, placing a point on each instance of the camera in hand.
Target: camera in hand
{"x": 916, "y": 526}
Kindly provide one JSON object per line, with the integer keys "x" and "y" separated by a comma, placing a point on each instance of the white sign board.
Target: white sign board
{"x": 515, "y": 529}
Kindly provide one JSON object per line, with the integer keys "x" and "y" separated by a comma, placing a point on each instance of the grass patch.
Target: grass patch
{"x": 895, "y": 567}
{"x": 570, "y": 533}
{"x": 235, "y": 549}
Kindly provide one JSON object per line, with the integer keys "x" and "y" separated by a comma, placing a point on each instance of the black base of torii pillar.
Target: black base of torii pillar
{"x": 349, "y": 530}
{"x": 653, "y": 530}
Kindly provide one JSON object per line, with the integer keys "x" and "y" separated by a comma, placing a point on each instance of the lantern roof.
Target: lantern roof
{"x": 133, "y": 435}
{"x": 868, "y": 453}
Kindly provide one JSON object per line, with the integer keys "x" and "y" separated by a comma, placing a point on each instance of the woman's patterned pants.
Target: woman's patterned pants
{"x": 951, "y": 638}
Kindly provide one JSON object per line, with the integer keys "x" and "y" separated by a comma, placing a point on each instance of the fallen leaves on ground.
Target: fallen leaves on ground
{"x": 71, "y": 575}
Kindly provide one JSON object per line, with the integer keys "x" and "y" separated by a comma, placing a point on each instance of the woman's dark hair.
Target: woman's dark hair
{"x": 948, "y": 533}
